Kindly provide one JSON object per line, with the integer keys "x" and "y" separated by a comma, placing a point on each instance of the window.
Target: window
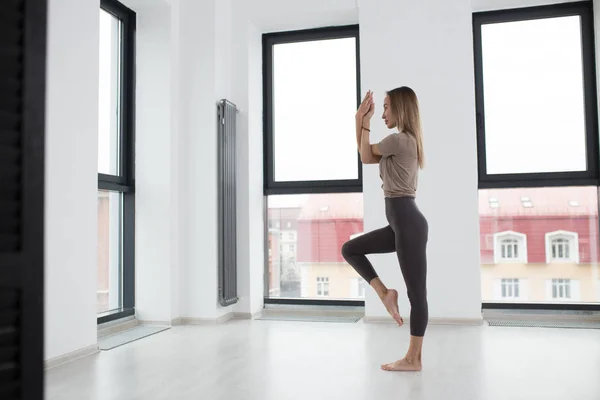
{"x": 510, "y": 247}
{"x": 510, "y": 288}
{"x": 314, "y": 193}
{"x": 535, "y": 82}
{"x": 110, "y": 212}
{"x": 557, "y": 237}
{"x": 359, "y": 288}
{"x": 562, "y": 246}
{"x": 290, "y": 236}
{"x": 317, "y": 249}
{"x": 303, "y": 71}
{"x": 537, "y": 150}
{"x": 322, "y": 286}
{"x": 116, "y": 228}
{"x": 561, "y": 289}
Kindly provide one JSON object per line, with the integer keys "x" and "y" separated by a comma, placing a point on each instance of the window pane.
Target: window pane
{"x": 572, "y": 210}
{"x": 109, "y": 95}
{"x": 534, "y": 100}
{"x": 314, "y": 103}
{"x": 321, "y": 224}
{"x": 109, "y": 251}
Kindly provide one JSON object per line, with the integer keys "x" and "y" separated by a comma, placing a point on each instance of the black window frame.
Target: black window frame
{"x": 124, "y": 182}
{"x": 591, "y": 177}
{"x": 272, "y": 187}
{"x": 546, "y": 179}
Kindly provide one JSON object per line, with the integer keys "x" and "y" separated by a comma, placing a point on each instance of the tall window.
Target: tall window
{"x": 537, "y": 136}
{"x": 115, "y": 162}
{"x": 314, "y": 194}
{"x": 536, "y": 96}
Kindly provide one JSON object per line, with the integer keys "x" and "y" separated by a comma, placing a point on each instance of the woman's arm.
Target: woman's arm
{"x": 369, "y": 153}
{"x": 359, "y": 122}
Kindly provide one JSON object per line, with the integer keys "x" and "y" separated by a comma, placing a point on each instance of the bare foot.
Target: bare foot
{"x": 390, "y": 301}
{"x": 403, "y": 365}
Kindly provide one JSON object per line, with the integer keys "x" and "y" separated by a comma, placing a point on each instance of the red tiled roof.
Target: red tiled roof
{"x": 284, "y": 213}
{"x": 333, "y": 206}
{"x": 550, "y": 201}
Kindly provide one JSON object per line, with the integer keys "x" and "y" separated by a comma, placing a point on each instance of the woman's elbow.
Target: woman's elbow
{"x": 367, "y": 160}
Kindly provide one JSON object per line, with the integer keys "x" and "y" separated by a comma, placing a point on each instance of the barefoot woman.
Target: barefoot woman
{"x": 400, "y": 156}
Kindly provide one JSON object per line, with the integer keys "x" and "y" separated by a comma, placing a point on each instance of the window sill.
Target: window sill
{"x": 114, "y": 315}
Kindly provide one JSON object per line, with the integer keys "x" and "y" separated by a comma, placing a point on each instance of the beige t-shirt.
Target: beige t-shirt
{"x": 399, "y": 167}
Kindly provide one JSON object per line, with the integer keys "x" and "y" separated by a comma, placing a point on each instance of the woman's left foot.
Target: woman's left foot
{"x": 403, "y": 365}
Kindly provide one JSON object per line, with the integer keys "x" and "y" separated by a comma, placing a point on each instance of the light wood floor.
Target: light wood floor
{"x": 267, "y": 360}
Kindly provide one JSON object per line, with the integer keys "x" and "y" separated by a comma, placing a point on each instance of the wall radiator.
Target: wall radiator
{"x": 227, "y": 112}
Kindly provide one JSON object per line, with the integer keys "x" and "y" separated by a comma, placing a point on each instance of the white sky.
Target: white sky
{"x": 315, "y": 96}
{"x": 534, "y": 116}
{"x": 107, "y": 58}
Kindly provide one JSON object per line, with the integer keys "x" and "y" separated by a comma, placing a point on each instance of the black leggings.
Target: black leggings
{"x": 407, "y": 235}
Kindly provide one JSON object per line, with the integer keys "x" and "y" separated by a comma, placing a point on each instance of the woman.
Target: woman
{"x": 400, "y": 156}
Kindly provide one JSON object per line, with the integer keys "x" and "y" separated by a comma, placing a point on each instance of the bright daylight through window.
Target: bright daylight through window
{"x": 538, "y": 155}
{"x": 314, "y": 194}
{"x": 115, "y": 162}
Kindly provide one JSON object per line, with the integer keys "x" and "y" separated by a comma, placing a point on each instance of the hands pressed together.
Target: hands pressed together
{"x": 366, "y": 109}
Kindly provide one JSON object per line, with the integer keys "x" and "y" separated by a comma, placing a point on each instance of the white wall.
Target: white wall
{"x": 428, "y": 46}
{"x": 154, "y": 164}
{"x": 71, "y": 176}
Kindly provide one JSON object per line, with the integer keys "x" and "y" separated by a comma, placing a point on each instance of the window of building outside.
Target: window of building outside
{"x": 510, "y": 288}
{"x": 538, "y": 155}
{"x": 314, "y": 196}
{"x": 115, "y": 162}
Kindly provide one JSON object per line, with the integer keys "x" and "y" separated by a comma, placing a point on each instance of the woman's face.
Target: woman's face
{"x": 387, "y": 114}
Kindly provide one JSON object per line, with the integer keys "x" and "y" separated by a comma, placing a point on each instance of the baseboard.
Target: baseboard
{"x": 214, "y": 321}
{"x": 204, "y": 321}
{"x": 247, "y": 315}
{"x": 432, "y": 321}
{"x": 70, "y": 357}
{"x": 155, "y": 323}
{"x": 114, "y": 327}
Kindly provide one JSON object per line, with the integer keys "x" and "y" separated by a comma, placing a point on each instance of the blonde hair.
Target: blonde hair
{"x": 405, "y": 108}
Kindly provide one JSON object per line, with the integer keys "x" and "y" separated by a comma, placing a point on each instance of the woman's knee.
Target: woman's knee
{"x": 347, "y": 249}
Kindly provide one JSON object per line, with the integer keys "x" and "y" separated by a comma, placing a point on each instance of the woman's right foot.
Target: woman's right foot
{"x": 390, "y": 301}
